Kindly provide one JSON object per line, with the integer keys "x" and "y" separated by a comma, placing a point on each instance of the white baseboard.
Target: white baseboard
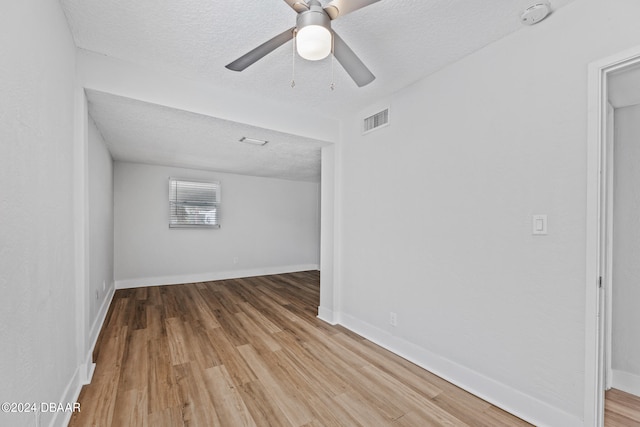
{"x": 70, "y": 395}
{"x": 84, "y": 372}
{"x": 625, "y": 381}
{"x": 206, "y": 277}
{"x": 511, "y": 400}
{"x": 99, "y": 321}
{"x": 327, "y": 315}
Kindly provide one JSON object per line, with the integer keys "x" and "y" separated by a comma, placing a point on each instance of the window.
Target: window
{"x": 193, "y": 204}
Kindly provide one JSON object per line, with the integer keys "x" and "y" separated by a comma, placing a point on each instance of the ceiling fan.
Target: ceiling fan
{"x": 315, "y": 39}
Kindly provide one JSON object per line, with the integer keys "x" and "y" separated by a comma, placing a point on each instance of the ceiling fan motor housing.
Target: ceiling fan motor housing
{"x": 314, "y": 16}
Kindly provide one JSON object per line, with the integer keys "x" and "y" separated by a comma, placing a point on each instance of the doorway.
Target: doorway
{"x": 604, "y": 84}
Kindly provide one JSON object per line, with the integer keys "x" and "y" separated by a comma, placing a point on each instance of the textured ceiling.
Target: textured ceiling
{"x": 401, "y": 41}
{"x": 147, "y": 133}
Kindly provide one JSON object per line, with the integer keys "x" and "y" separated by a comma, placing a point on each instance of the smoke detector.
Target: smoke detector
{"x": 535, "y": 13}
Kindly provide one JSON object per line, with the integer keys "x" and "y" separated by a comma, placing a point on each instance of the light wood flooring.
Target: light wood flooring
{"x": 621, "y": 409}
{"x": 251, "y": 352}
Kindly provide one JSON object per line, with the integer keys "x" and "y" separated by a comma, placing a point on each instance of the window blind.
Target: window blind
{"x": 193, "y": 203}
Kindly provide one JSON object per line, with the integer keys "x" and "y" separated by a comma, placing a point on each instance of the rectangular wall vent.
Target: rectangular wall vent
{"x": 376, "y": 121}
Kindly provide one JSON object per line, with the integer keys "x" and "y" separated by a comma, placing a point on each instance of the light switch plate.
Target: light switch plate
{"x": 539, "y": 224}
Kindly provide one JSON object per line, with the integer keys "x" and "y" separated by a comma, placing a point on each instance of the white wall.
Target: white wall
{"x": 269, "y": 225}
{"x": 626, "y": 251}
{"x": 437, "y": 207}
{"x": 101, "y": 283}
{"x": 37, "y": 310}
{"x": 327, "y": 245}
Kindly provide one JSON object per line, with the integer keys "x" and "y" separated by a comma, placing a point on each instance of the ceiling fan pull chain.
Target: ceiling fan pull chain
{"x": 293, "y": 61}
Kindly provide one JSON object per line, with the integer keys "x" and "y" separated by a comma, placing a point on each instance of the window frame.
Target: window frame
{"x": 180, "y": 189}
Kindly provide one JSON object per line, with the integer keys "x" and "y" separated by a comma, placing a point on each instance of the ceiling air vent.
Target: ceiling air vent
{"x": 376, "y": 121}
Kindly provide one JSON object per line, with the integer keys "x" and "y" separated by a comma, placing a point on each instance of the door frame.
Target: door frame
{"x": 607, "y": 279}
{"x": 596, "y": 214}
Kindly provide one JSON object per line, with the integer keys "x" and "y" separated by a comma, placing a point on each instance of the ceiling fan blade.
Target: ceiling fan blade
{"x": 338, "y": 8}
{"x": 297, "y": 5}
{"x": 351, "y": 63}
{"x": 264, "y": 49}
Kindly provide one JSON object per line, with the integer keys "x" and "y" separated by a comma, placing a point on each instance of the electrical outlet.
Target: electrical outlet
{"x": 235, "y": 260}
{"x": 393, "y": 319}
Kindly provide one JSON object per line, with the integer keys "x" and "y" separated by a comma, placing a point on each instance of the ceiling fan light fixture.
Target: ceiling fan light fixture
{"x": 313, "y": 42}
{"x": 314, "y": 36}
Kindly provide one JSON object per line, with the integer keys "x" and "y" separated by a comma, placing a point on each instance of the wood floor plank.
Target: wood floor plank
{"x": 139, "y": 314}
{"x": 230, "y": 323}
{"x": 412, "y": 419}
{"x": 261, "y": 340}
{"x": 308, "y": 365}
{"x": 133, "y": 375}
{"x": 118, "y": 318}
{"x": 252, "y": 352}
{"x": 163, "y": 393}
{"x": 153, "y": 296}
{"x": 170, "y": 417}
{"x": 295, "y": 410}
{"x": 142, "y": 293}
{"x": 228, "y": 299}
{"x": 407, "y": 398}
{"x": 621, "y": 409}
{"x": 272, "y": 294}
{"x": 320, "y": 405}
{"x": 470, "y": 413}
{"x": 260, "y": 319}
{"x": 200, "y": 311}
{"x": 237, "y": 368}
{"x": 226, "y": 399}
{"x": 155, "y": 322}
{"x": 362, "y": 411}
{"x": 350, "y": 369}
{"x": 169, "y": 303}
{"x": 197, "y": 407}
{"x": 198, "y": 346}
{"x": 263, "y": 409}
{"x": 383, "y": 362}
{"x": 613, "y": 419}
{"x": 131, "y": 409}
{"x": 177, "y": 341}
